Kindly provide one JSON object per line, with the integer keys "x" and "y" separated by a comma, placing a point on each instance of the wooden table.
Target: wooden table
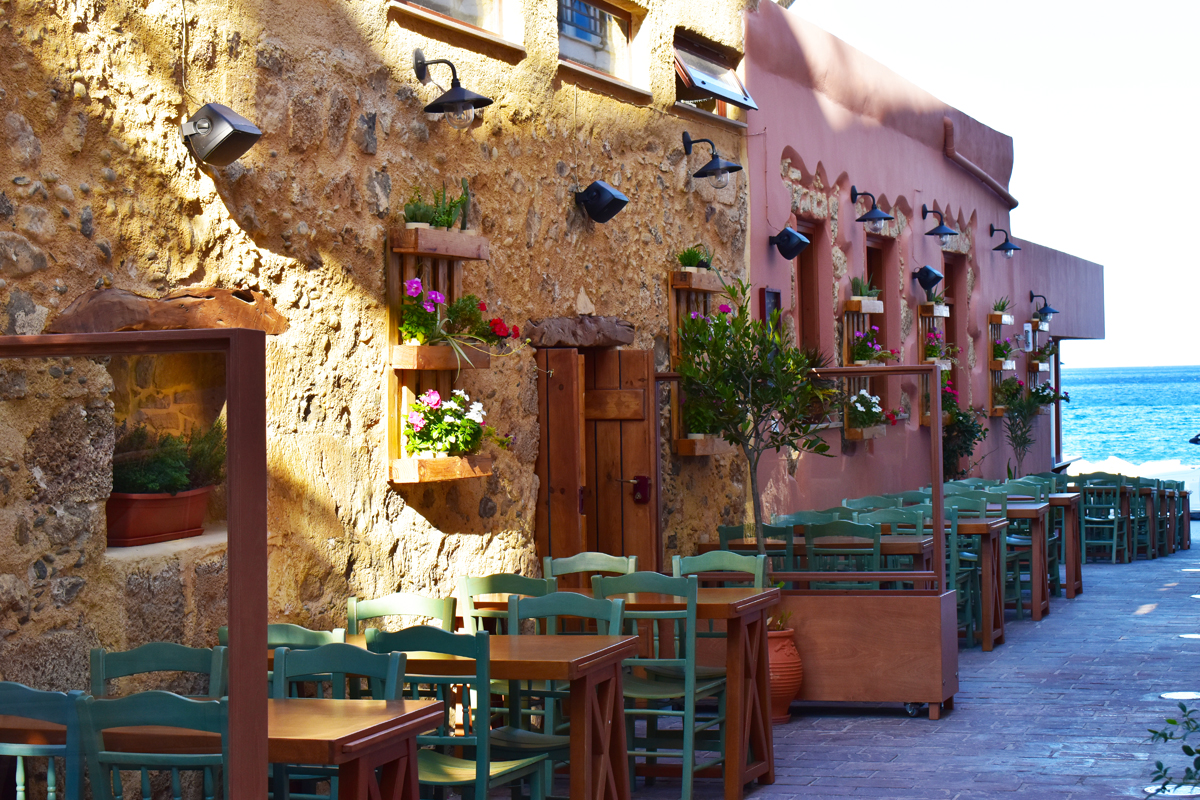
{"x": 991, "y": 576}
{"x": 1039, "y": 572}
{"x": 1072, "y": 537}
{"x": 359, "y": 736}
{"x": 599, "y": 767}
{"x": 890, "y": 544}
{"x": 748, "y": 689}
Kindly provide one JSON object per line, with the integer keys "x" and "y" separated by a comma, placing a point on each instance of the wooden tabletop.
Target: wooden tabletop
{"x": 1030, "y": 510}
{"x": 717, "y": 603}
{"x": 1057, "y": 499}
{"x": 299, "y": 730}
{"x": 558, "y": 658}
{"x": 891, "y": 544}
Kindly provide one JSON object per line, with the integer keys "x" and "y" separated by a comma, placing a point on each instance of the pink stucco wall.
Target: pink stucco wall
{"x": 839, "y": 118}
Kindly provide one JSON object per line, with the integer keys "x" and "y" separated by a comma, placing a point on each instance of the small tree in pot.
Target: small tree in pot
{"x": 161, "y": 483}
{"x": 760, "y": 387}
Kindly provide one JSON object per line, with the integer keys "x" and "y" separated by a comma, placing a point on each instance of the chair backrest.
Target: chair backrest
{"x": 400, "y": 604}
{"x": 966, "y": 506}
{"x": 149, "y": 708}
{"x": 475, "y": 688}
{"x": 859, "y": 555}
{"x": 801, "y": 518}
{"x": 160, "y": 657}
{"x": 285, "y": 634}
{"x": 913, "y": 497}
{"x": 730, "y": 533}
{"x": 909, "y": 517}
{"x": 589, "y": 563}
{"x": 18, "y": 700}
{"x": 607, "y": 614}
{"x": 1058, "y": 482}
{"x": 871, "y": 502}
{"x": 682, "y": 620}
{"x": 502, "y": 583}
{"x": 993, "y": 498}
{"x": 335, "y": 664}
{"x": 752, "y": 569}
{"x": 839, "y": 512}
{"x": 1030, "y": 486}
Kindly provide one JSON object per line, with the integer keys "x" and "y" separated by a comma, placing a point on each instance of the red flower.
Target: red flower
{"x": 498, "y": 327}
{"x": 516, "y": 331}
{"x": 482, "y": 306}
{"x": 890, "y": 417}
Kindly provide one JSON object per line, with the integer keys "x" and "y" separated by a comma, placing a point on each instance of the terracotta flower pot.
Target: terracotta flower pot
{"x": 783, "y": 663}
{"x": 135, "y": 519}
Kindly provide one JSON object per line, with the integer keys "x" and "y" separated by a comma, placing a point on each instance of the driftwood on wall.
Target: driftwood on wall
{"x": 581, "y": 331}
{"x": 109, "y": 310}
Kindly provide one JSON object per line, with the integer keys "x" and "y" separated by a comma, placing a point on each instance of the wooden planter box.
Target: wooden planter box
{"x": 407, "y": 356}
{"x": 868, "y": 364}
{"x": 1002, "y": 366}
{"x": 927, "y": 419}
{"x": 455, "y": 244}
{"x": 864, "y": 305}
{"x": 424, "y": 470}
{"x": 997, "y": 411}
{"x": 1045, "y": 411}
{"x": 135, "y": 519}
{"x": 709, "y": 446}
{"x": 700, "y": 281}
{"x": 944, "y": 363}
{"x": 1039, "y": 366}
{"x": 873, "y": 432}
{"x": 1038, "y": 325}
{"x": 934, "y": 310}
{"x": 995, "y": 318}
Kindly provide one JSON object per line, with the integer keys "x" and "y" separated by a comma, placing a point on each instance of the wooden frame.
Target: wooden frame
{"x": 246, "y": 464}
{"x": 690, "y": 292}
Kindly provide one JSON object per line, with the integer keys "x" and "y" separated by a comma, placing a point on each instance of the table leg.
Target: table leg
{"x": 1039, "y": 572}
{"x": 599, "y": 761}
{"x": 992, "y": 586}
{"x": 1071, "y": 554}
{"x": 396, "y": 763}
{"x": 1130, "y": 553}
{"x": 1172, "y": 534}
{"x": 747, "y": 701}
{"x": 1151, "y": 528}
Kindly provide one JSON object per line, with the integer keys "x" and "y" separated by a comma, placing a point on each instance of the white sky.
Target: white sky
{"x": 1101, "y": 101}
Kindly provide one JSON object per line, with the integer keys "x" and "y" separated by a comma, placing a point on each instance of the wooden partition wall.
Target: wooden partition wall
{"x": 246, "y": 464}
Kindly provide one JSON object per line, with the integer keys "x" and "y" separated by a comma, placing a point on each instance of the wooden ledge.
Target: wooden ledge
{"x": 863, "y": 305}
{"x": 466, "y": 246}
{"x": 702, "y": 447}
{"x": 996, "y": 318}
{"x": 438, "y": 357}
{"x": 703, "y": 281}
{"x": 934, "y": 310}
{"x": 427, "y": 470}
{"x": 401, "y": 8}
{"x": 686, "y": 111}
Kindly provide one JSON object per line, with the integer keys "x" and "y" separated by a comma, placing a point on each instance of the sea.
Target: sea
{"x": 1140, "y": 415}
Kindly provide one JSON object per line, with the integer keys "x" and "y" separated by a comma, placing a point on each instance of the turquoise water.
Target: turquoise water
{"x": 1138, "y": 414}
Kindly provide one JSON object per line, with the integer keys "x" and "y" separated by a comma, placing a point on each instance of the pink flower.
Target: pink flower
{"x": 413, "y": 288}
{"x": 724, "y": 308}
{"x": 437, "y": 297}
{"x": 416, "y": 420}
{"x": 431, "y": 398}
{"x": 428, "y": 307}
{"x": 695, "y": 314}
{"x": 874, "y": 327}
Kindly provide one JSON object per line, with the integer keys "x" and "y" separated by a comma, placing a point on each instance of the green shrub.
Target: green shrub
{"x": 147, "y": 463}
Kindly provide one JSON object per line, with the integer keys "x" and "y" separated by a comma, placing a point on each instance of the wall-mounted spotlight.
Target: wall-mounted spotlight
{"x": 1005, "y": 248}
{"x": 218, "y": 135}
{"x": 717, "y": 169}
{"x": 942, "y": 231}
{"x": 927, "y": 278}
{"x": 1045, "y": 312}
{"x": 874, "y": 219}
{"x": 457, "y": 105}
{"x": 789, "y": 243}
{"x": 600, "y": 201}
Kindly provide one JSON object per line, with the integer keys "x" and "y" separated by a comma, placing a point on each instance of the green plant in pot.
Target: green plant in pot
{"x": 697, "y": 256}
{"x": 699, "y": 420}
{"x": 161, "y": 483}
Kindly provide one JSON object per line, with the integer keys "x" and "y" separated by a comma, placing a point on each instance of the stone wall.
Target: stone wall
{"x": 96, "y": 190}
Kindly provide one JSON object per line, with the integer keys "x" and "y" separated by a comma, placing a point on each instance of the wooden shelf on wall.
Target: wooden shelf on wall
{"x": 996, "y": 318}
{"x": 704, "y": 280}
{"x": 455, "y": 244}
{"x": 1039, "y": 366}
{"x": 860, "y": 434}
{"x": 690, "y": 292}
{"x": 863, "y": 305}
{"x": 425, "y": 470}
{"x": 1002, "y": 366}
{"x": 710, "y": 446}
{"x": 934, "y": 310}
{"x": 437, "y": 357}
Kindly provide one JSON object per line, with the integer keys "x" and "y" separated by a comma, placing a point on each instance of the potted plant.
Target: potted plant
{"x": 438, "y": 428}
{"x": 695, "y": 258}
{"x": 417, "y": 213}
{"x": 759, "y": 385}
{"x": 935, "y": 306}
{"x": 864, "y": 298}
{"x": 161, "y": 484}
{"x": 866, "y": 418}
{"x": 864, "y": 349}
{"x": 783, "y": 665}
{"x": 1039, "y": 359}
{"x": 446, "y": 211}
{"x": 1001, "y": 350}
{"x": 699, "y": 420}
{"x": 1020, "y": 408}
{"x": 999, "y": 314}
{"x": 428, "y": 319}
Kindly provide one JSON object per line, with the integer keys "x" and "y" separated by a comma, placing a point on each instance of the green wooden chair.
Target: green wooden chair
{"x": 900, "y": 520}
{"x": 285, "y": 634}
{"x": 589, "y": 563}
{"x": 339, "y": 666}
{"x": 440, "y": 770}
{"x": 751, "y": 569}
{"x": 1102, "y": 521}
{"x": 400, "y": 604}
{"x": 161, "y": 657}
{"x": 19, "y": 700}
{"x": 1021, "y": 530}
{"x": 547, "y": 612}
{"x": 871, "y": 502}
{"x": 975, "y": 505}
{"x": 151, "y": 708}
{"x": 1145, "y": 522}
{"x": 801, "y": 518}
{"x": 914, "y": 497}
{"x": 502, "y": 583}
{"x": 826, "y": 556}
{"x": 782, "y": 532}
{"x": 653, "y": 698}
{"x": 840, "y": 512}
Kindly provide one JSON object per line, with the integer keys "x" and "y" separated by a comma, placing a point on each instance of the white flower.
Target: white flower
{"x": 450, "y": 405}
{"x": 460, "y": 393}
{"x": 475, "y": 416}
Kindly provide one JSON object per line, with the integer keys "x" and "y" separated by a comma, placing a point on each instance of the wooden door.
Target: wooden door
{"x": 599, "y": 445}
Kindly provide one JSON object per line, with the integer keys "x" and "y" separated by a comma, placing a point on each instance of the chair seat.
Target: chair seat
{"x": 644, "y": 689}
{"x": 440, "y": 769}
{"x": 703, "y": 673}
{"x": 509, "y": 738}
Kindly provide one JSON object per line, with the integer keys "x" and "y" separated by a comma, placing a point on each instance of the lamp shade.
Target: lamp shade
{"x": 927, "y": 278}
{"x": 789, "y": 243}
{"x": 600, "y": 201}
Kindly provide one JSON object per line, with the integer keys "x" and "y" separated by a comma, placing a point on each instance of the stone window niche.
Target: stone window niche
{"x": 597, "y": 35}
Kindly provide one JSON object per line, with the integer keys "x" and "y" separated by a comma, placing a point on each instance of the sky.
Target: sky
{"x": 1102, "y": 103}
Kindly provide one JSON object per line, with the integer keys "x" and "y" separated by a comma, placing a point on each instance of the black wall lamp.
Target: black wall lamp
{"x": 872, "y": 220}
{"x": 457, "y": 105}
{"x": 217, "y": 134}
{"x": 1005, "y": 248}
{"x": 1046, "y": 311}
{"x": 600, "y": 201}
{"x": 927, "y": 278}
{"x": 717, "y": 169}
{"x": 942, "y": 231}
{"x": 789, "y": 243}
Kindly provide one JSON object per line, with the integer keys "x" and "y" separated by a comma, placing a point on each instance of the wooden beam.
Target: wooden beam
{"x": 614, "y": 404}
{"x": 109, "y": 310}
{"x": 447, "y": 244}
{"x": 425, "y": 470}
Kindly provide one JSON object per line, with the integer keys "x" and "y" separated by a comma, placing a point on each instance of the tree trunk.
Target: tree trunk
{"x": 758, "y": 531}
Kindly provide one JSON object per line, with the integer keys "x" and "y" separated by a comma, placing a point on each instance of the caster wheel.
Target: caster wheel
{"x": 912, "y": 709}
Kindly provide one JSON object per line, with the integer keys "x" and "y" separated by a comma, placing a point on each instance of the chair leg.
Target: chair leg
{"x": 689, "y": 747}
{"x": 51, "y": 783}
{"x": 20, "y": 777}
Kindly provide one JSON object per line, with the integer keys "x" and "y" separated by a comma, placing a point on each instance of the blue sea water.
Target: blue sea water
{"x": 1138, "y": 414}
